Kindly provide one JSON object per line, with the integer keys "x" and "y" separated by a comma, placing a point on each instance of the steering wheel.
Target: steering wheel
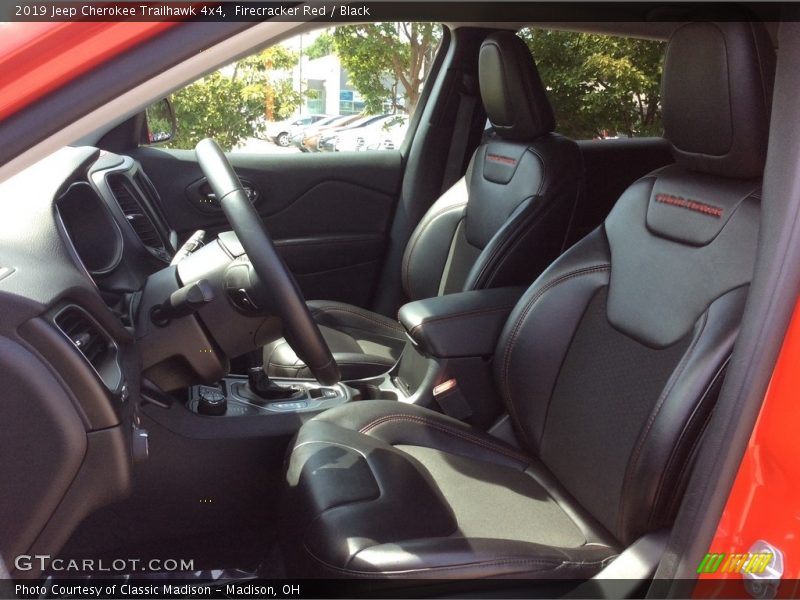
{"x": 301, "y": 331}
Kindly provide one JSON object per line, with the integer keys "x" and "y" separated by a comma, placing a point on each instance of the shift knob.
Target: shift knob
{"x": 262, "y": 386}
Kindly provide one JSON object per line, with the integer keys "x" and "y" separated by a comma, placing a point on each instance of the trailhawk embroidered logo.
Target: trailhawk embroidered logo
{"x": 503, "y": 159}
{"x": 696, "y": 206}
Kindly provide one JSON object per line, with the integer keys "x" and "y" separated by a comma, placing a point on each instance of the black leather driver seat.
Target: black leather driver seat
{"x": 501, "y": 224}
{"x": 609, "y": 367}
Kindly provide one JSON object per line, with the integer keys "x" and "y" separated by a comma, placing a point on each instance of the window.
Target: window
{"x": 347, "y": 88}
{"x": 600, "y": 86}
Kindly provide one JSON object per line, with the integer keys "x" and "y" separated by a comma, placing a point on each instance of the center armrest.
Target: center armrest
{"x": 459, "y": 325}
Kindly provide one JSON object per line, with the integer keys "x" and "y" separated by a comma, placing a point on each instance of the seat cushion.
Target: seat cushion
{"x": 364, "y": 344}
{"x": 388, "y": 489}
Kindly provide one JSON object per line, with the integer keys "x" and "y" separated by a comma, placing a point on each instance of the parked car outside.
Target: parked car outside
{"x": 345, "y": 138}
{"x": 300, "y": 133}
{"x": 280, "y": 132}
{"x": 313, "y": 135}
{"x": 386, "y": 137}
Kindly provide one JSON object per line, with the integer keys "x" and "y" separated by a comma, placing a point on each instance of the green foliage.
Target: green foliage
{"x": 383, "y": 59}
{"x": 214, "y": 106}
{"x": 159, "y": 122}
{"x": 323, "y": 45}
{"x": 600, "y": 84}
{"x": 232, "y": 107}
{"x": 279, "y": 99}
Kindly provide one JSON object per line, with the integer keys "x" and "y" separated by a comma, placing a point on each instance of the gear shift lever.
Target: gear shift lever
{"x": 262, "y": 386}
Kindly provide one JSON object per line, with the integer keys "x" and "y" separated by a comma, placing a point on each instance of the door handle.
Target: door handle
{"x": 203, "y": 198}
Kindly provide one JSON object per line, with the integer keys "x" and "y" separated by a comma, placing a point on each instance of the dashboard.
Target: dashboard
{"x": 87, "y": 264}
{"x": 80, "y": 234}
{"x": 113, "y": 221}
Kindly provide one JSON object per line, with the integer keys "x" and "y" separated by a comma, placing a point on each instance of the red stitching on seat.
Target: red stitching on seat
{"x": 554, "y": 564}
{"x": 689, "y": 204}
{"x": 406, "y": 266}
{"x": 392, "y": 326}
{"x": 467, "y": 313}
{"x": 503, "y": 159}
{"x": 518, "y": 327}
{"x": 444, "y": 429}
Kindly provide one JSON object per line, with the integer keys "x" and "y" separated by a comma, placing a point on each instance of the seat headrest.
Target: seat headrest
{"x": 511, "y": 89}
{"x": 717, "y": 97}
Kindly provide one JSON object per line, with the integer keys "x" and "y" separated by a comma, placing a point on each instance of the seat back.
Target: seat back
{"x": 507, "y": 218}
{"x": 611, "y": 363}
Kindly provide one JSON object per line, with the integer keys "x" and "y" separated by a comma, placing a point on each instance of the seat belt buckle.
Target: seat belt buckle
{"x": 451, "y": 400}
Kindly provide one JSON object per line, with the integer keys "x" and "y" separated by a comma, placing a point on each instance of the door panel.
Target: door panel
{"x": 329, "y": 214}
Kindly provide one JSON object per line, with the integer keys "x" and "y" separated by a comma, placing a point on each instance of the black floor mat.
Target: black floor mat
{"x": 253, "y": 550}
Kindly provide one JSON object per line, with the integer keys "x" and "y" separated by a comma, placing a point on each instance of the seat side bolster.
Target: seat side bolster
{"x": 533, "y": 235}
{"x": 342, "y": 316}
{"x": 341, "y": 480}
{"x": 475, "y": 558}
{"x": 346, "y": 329}
{"x": 526, "y": 370}
{"x": 656, "y": 467}
{"x": 428, "y": 247}
{"x": 398, "y": 423}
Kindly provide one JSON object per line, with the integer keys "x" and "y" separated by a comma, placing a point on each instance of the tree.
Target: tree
{"x": 384, "y": 58}
{"x": 280, "y": 99}
{"x": 214, "y": 106}
{"x": 323, "y": 45}
{"x": 600, "y": 84}
{"x": 231, "y": 104}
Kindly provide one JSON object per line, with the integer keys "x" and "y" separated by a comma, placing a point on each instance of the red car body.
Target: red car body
{"x": 764, "y": 502}
{"x": 37, "y": 58}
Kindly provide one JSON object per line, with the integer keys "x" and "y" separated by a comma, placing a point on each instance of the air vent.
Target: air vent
{"x": 131, "y": 206}
{"x": 149, "y": 190}
{"x": 93, "y": 342}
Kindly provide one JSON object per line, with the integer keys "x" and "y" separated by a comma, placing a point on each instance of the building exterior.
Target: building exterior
{"x": 326, "y": 77}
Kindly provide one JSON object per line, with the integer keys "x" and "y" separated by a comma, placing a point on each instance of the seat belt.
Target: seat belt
{"x": 451, "y": 400}
{"x": 628, "y": 572}
{"x": 468, "y": 100}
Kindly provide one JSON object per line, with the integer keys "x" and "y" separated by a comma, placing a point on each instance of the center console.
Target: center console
{"x": 446, "y": 366}
{"x": 233, "y": 397}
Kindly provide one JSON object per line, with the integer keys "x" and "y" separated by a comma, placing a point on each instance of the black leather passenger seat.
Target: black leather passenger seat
{"x": 609, "y": 367}
{"x": 499, "y": 225}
